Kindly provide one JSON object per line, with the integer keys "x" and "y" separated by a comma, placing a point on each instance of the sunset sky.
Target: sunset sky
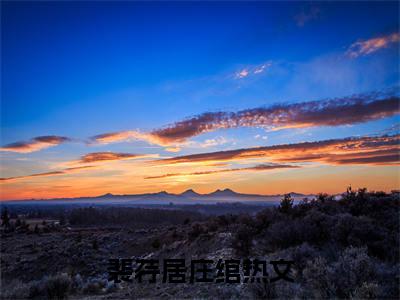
{"x": 137, "y": 97}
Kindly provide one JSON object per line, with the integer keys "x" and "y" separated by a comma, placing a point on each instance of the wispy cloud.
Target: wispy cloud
{"x": 109, "y": 156}
{"x": 332, "y": 112}
{"x": 173, "y": 149}
{"x": 261, "y": 167}
{"x": 358, "y": 150}
{"x": 366, "y": 47}
{"x": 259, "y": 136}
{"x": 252, "y": 70}
{"x": 208, "y": 143}
{"x": 45, "y": 174}
{"x": 123, "y": 136}
{"x": 242, "y": 73}
{"x": 35, "y": 144}
{"x": 132, "y": 135}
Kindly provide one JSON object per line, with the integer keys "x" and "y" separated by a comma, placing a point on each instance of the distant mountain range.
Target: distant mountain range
{"x": 163, "y": 197}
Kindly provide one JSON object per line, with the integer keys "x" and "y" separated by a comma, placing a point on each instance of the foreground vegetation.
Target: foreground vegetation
{"x": 347, "y": 248}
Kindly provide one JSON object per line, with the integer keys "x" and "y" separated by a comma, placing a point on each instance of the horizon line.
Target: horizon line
{"x": 187, "y": 190}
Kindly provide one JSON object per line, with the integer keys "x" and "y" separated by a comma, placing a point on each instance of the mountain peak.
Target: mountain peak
{"x": 162, "y": 193}
{"x": 190, "y": 192}
{"x": 225, "y": 192}
{"x": 106, "y": 195}
{"x": 294, "y": 194}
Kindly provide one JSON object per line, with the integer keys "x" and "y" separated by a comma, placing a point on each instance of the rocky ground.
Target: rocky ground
{"x": 82, "y": 254}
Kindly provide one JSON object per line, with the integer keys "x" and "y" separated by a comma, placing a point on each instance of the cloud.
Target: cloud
{"x": 242, "y": 74}
{"x": 262, "y": 167}
{"x": 331, "y": 112}
{"x": 356, "y": 150}
{"x": 258, "y": 136}
{"x": 366, "y": 47}
{"x": 45, "y": 174}
{"x": 173, "y": 149}
{"x": 122, "y": 136}
{"x": 391, "y": 159}
{"x": 107, "y": 156}
{"x": 252, "y": 70}
{"x": 306, "y": 16}
{"x": 209, "y": 143}
{"x": 35, "y": 144}
{"x": 388, "y": 156}
{"x": 261, "y": 68}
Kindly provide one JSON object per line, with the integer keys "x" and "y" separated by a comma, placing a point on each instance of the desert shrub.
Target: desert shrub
{"x": 95, "y": 286}
{"x": 349, "y": 275}
{"x": 360, "y": 231}
{"x": 367, "y": 291}
{"x": 286, "y": 204}
{"x": 353, "y": 268}
{"x": 36, "y": 289}
{"x": 14, "y": 290}
{"x": 77, "y": 282}
{"x": 245, "y": 219}
{"x": 195, "y": 231}
{"x": 317, "y": 227}
{"x": 314, "y": 228}
{"x": 5, "y": 217}
{"x": 243, "y": 239}
{"x": 280, "y": 235}
{"x": 156, "y": 243}
{"x": 318, "y": 278}
{"x": 302, "y": 254}
{"x": 226, "y": 220}
{"x": 267, "y": 217}
{"x": 212, "y": 226}
{"x": 264, "y": 290}
{"x": 58, "y": 286}
{"x": 129, "y": 216}
{"x": 49, "y": 287}
{"x": 95, "y": 245}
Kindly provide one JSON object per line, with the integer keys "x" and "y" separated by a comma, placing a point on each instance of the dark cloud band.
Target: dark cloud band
{"x": 35, "y": 144}
{"x": 262, "y": 167}
{"x": 333, "y": 112}
{"x": 358, "y": 150}
{"x": 53, "y": 173}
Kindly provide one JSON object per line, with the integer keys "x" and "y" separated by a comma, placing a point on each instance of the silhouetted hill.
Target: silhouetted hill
{"x": 190, "y": 193}
{"x": 163, "y": 197}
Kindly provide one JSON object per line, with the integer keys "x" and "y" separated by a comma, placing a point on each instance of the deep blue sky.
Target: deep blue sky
{"x": 80, "y": 69}
{"x": 55, "y": 55}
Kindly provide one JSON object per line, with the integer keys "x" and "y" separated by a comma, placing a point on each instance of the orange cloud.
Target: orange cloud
{"x": 36, "y": 144}
{"x": 360, "y": 150}
{"x": 131, "y": 135}
{"x": 113, "y": 137}
{"x": 107, "y": 156}
{"x": 262, "y": 167}
{"x": 332, "y": 112}
{"x": 173, "y": 149}
{"x": 362, "y": 48}
{"x": 62, "y": 172}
